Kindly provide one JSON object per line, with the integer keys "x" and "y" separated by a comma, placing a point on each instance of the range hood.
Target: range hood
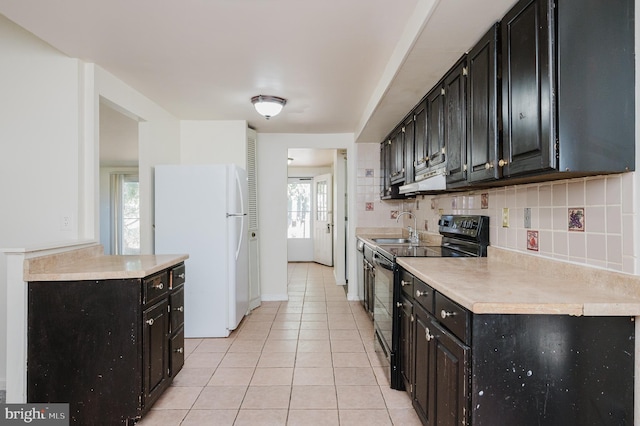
{"x": 434, "y": 181}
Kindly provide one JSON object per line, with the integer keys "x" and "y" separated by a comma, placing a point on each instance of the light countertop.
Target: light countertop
{"x": 92, "y": 265}
{"x": 509, "y": 283}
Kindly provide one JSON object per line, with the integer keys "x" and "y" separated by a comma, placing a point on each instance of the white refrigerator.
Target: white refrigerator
{"x": 201, "y": 210}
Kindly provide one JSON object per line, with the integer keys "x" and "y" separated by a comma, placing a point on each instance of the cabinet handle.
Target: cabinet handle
{"x": 444, "y": 314}
{"x": 488, "y": 166}
{"x": 181, "y": 275}
{"x": 180, "y": 309}
{"x": 399, "y": 304}
{"x": 404, "y": 283}
{"x": 179, "y": 350}
{"x": 150, "y": 321}
{"x": 502, "y": 163}
{"x": 420, "y": 293}
{"x": 428, "y": 335}
{"x": 159, "y": 286}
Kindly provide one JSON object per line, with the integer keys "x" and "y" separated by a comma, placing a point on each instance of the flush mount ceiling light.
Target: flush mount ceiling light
{"x": 268, "y": 106}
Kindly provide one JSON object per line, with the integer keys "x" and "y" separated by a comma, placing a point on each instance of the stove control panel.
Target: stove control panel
{"x": 469, "y": 226}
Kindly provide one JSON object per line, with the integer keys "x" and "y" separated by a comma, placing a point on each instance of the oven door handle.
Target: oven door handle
{"x": 382, "y": 262}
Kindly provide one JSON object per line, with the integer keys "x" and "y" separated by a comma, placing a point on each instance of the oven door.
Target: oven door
{"x": 383, "y": 310}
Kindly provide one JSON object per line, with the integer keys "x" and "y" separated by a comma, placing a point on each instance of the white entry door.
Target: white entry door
{"x": 323, "y": 223}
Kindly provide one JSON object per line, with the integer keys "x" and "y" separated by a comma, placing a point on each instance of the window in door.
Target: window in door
{"x": 322, "y": 200}
{"x": 299, "y": 209}
{"x": 125, "y": 213}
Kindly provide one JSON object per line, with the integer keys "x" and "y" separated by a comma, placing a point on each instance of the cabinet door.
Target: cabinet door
{"x": 420, "y": 146}
{"x": 397, "y": 156}
{"x": 176, "y": 351}
{"x": 449, "y": 377}
{"x": 455, "y": 119}
{"x": 409, "y": 140}
{"x": 405, "y": 347}
{"x": 483, "y": 115}
{"x": 385, "y": 169}
{"x": 527, "y": 99}
{"x": 156, "y": 363}
{"x": 423, "y": 355}
{"x": 435, "y": 127}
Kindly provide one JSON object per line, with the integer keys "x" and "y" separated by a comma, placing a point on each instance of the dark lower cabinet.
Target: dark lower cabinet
{"x": 405, "y": 364}
{"x": 449, "y": 375}
{"x": 525, "y": 370}
{"x": 422, "y": 354}
{"x": 155, "y": 328}
{"x": 106, "y": 347}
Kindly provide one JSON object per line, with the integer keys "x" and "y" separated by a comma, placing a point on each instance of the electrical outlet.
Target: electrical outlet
{"x": 505, "y": 217}
{"x": 65, "y": 223}
{"x": 527, "y": 217}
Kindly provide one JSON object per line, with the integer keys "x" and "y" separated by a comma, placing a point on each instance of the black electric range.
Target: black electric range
{"x": 462, "y": 236}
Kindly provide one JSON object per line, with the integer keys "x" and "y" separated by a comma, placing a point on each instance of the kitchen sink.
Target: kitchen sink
{"x": 391, "y": 240}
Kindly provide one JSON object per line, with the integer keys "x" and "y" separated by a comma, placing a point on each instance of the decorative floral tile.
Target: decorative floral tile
{"x": 426, "y": 225}
{"x": 434, "y": 203}
{"x": 576, "y": 219}
{"x": 368, "y": 172}
{"x": 532, "y": 240}
{"x": 368, "y": 207}
{"x": 394, "y": 214}
{"x": 484, "y": 201}
{"x": 454, "y": 203}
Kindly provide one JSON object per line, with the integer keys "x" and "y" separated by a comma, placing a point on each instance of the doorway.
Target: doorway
{"x": 321, "y": 174}
{"x": 119, "y": 194}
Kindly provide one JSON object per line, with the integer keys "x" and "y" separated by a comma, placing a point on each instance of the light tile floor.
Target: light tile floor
{"x": 308, "y": 361}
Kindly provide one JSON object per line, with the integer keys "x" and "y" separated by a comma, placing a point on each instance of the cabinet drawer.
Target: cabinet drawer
{"x": 177, "y": 277}
{"x": 453, "y": 316}
{"x": 176, "y": 348}
{"x": 406, "y": 283}
{"x": 423, "y": 294}
{"x": 155, "y": 287}
{"x": 176, "y": 301}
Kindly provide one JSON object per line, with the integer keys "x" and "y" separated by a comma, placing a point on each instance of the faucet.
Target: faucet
{"x": 414, "y": 238}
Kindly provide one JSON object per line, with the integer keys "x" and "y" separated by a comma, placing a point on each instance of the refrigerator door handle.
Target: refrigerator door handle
{"x": 236, "y": 214}
{"x": 242, "y": 209}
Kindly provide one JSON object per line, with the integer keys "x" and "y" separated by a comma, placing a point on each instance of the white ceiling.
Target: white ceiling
{"x": 344, "y": 65}
{"x": 310, "y": 157}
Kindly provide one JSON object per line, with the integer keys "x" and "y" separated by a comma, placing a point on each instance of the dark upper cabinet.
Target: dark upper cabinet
{"x": 397, "y": 156}
{"x": 568, "y": 87}
{"x": 483, "y": 113}
{"x": 435, "y": 127}
{"x": 385, "y": 169}
{"x": 420, "y": 146}
{"x": 455, "y": 123}
{"x": 409, "y": 148}
{"x": 527, "y": 90}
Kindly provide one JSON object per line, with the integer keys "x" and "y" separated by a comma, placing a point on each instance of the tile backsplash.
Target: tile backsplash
{"x": 586, "y": 220}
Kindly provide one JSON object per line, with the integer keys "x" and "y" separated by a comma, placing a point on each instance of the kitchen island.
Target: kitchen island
{"x": 517, "y": 339}
{"x": 104, "y": 333}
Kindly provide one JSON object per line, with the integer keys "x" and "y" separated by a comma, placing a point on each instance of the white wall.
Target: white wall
{"x": 272, "y": 198}
{"x": 39, "y": 110}
{"x": 210, "y": 142}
